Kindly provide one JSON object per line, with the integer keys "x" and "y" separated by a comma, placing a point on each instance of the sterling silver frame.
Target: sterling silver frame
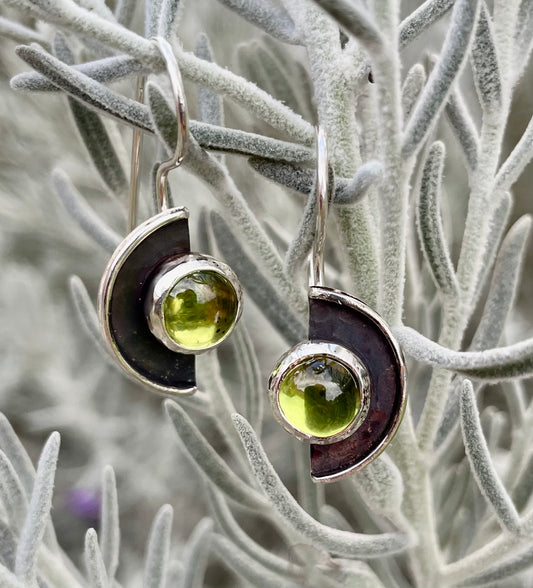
{"x": 163, "y": 282}
{"x": 310, "y": 349}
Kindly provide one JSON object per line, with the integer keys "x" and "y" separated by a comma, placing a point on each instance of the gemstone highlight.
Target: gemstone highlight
{"x": 200, "y": 309}
{"x": 319, "y": 396}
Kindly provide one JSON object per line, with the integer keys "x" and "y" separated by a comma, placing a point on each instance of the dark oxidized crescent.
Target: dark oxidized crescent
{"x": 340, "y": 318}
{"x": 121, "y": 309}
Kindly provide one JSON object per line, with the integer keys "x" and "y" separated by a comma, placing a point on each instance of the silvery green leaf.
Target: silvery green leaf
{"x": 347, "y": 191}
{"x": 106, "y": 70}
{"x": 298, "y": 251}
{"x": 100, "y": 148}
{"x": 494, "y": 575}
{"x": 210, "y": 378}
{"x": 109, "y": 523}
{"x": 355, "y": 19}
{"x": 517, "y": 161}
{"x": 448, "y": 67}
{"x": 260, "y": 289}
{"x": 208, "y": 461}
{"x": 16, "y": 454}
{"x": 523, "y": 487}
{"x": 210, "y": 106}
{"x": 156, "y": 561}
{"x": 152, "y": 11}
{"x": 258, "y": 63}
{"x": 220, "y": 138}
{"x": 496, "y": 365}
{"x": 380, "y": 484}
{"x": 523, "y": 38}
{"x": 352, "y": 545}
{"x": 422, "y": 18}
{"x": 38, "y": 513}
{"x": 89, "y": 24}
{"x": 171, "y": 13}
{"x": 503, "y": 287}
{"x": 311, "y": 496}
{"x": 12, "y": 493}
{"x": 249, "y": 568}
{"x": 125, "y": 11}
{"x": 499, "y": 217}
{"x": 242, "y": 540}
{"x": 83, "y": 214}
{"x": 368, "y": 174}
{"x": 196, "y": 555}
{"x": 87, "y": 314}
{"x": 85, "y": 89}
{"x": 94, "y": 562}
{"x": 485, "y": 66}
{"x": 250, "y": 375}
{"x": 248, "y": 95}
{"x": 412, "y": 86}
{"x": 429, "y": 222}
{"x": 481, "y": 464}
{"x": 463, "y": 128}
{"x": 268, "y": 16}
{"x": 229, "y": 140}
{"x": 17, "y": 32}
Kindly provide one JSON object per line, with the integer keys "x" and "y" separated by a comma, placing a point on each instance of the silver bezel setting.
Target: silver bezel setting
{"x": 309, "y": 349}
{"x": 164, "y": 281}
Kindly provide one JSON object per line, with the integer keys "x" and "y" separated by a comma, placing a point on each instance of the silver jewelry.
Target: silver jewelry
{"x": 343, "y": 390}
{"x": 158, "y": 303}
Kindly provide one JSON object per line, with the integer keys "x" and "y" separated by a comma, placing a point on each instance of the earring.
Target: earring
{"x": 159, "y": 304}
{"x": 343, "y": 390}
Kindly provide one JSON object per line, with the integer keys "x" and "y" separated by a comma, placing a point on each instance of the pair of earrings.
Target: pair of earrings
{"x": 343, "y": 390}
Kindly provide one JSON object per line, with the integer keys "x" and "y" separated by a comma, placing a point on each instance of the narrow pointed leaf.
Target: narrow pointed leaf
{"x": 94, "y": 562}
{"x": 463, "y": 128}
{"x": 242, "y": 564}
{"x": 38, "y": 513}
{"x": 448, "y": 67}
{"x": 109, "y": 523}
{"x": 353, "y": 545}
{"x": 242, "y": 540}
{"x": 503, "y": 287}
{"x": 429, "y": 221}
{"x": 196, "y": 554}
{"x": 157, "y": 553}
{"x": 413, "y": 85}
{"x": 266, "y": 15}
{"x": 210, "y": 106}
{"x": 485, "y": 66}
{"x": 208, "y": 461}
{"x": 478, "y": 454}
{"x": 83, "y": 214}
{"x": 422, "y": 18}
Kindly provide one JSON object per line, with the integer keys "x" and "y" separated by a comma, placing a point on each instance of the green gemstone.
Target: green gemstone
{"x": 200, "y": 309}
{"x": 319, "y": 396}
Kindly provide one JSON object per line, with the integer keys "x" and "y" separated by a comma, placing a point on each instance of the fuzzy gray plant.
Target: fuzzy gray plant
{"x": 427, "y": 165}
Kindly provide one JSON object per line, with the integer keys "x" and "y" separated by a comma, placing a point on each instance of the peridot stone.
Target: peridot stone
{"x": 319, "y": 396}
{"x": 200, "y": 309}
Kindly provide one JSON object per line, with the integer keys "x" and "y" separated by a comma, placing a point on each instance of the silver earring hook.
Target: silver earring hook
{"x": 182, "y": 121}
{"x": 322, "y": 204}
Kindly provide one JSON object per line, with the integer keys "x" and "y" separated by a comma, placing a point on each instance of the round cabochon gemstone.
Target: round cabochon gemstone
{"x": 319, "y": 396}
{"x": 200, "y": 309}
